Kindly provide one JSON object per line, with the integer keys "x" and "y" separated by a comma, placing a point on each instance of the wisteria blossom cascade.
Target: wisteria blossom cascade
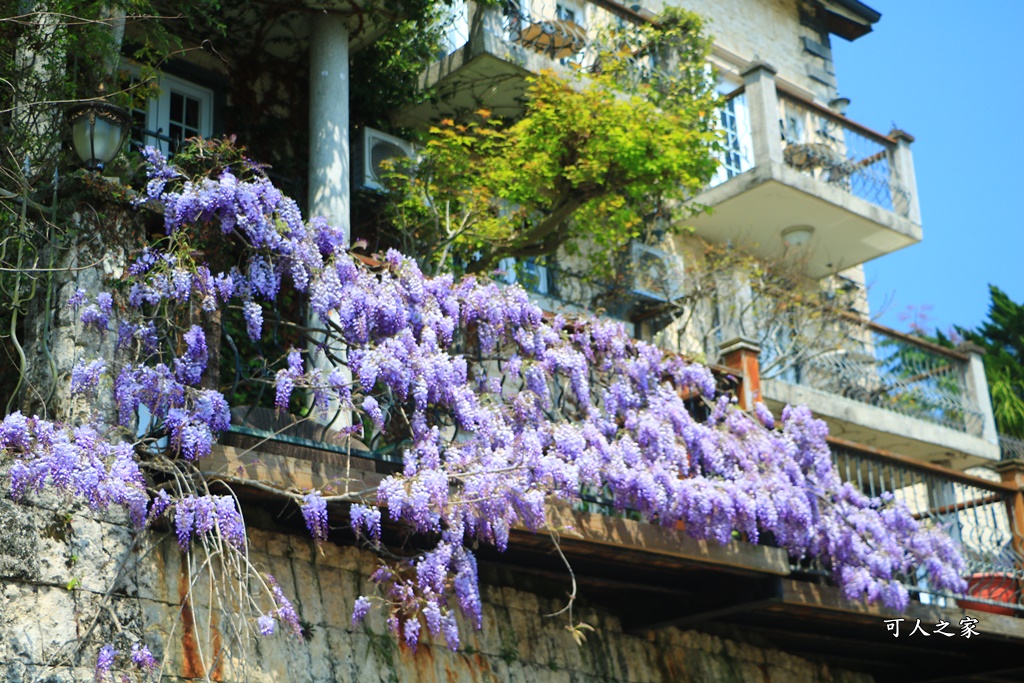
{"x": 500, "y": 411}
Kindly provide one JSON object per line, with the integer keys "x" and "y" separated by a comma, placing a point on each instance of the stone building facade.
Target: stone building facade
{"x": 735, "y": 613}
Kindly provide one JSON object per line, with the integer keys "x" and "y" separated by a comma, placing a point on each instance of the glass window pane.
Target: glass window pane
{"x": 177, "y": 107}
{"x": 192, "y": 113}
{"x": 175, "y": 133}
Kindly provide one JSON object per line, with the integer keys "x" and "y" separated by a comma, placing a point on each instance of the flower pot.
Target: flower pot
{"x": 1000, "y": 587}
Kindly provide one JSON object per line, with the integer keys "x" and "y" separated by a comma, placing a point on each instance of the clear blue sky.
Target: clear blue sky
{"x": 951, "y": 74}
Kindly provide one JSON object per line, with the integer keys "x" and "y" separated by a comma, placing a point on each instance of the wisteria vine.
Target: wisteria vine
{"x": 496, "y": 410}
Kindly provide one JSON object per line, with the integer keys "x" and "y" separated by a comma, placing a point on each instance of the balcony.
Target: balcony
{"x": 890, "y": 390}
{"x": 489, "y": 51}
{"x": 791, "y": 162}
{"x": 654, "y": 577}
{"x": 978, "y": 512}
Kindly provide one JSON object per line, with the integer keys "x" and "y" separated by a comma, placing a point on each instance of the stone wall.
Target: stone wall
{"x": 763, "y": 30}
{"x": 57, "y": 569}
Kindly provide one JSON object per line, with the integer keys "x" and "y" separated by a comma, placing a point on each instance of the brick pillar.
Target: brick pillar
{"x": 1012, "y": 472}
{"x": 741, "y": 354}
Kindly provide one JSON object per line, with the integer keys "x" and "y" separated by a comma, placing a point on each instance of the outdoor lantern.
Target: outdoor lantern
{"x": 796, "y": 236}
{"x": 98, "y": 129}
{"x": 839, "y": 105}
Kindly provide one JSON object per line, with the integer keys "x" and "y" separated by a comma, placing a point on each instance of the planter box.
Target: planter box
{"x": 1000, "y": 587}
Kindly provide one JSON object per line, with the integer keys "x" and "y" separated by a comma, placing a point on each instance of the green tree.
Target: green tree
{"x": 1002, "y": 338}
{"x": 631, "y": 134}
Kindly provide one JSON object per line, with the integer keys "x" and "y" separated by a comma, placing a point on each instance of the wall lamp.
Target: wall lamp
{"x": 98, "y": 129}
{"x": 796, "y": 236}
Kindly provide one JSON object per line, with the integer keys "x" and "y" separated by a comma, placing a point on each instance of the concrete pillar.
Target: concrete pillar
{"x": 977, "y": 393}
{"x": 742, "y": 355}
{"x": 763, "y": 102}
{"x": 903, "y": 177}
{"x": 329, "y": 149}
{"x": 328, "y": 120}
{"x": 735, "y": 303}
{"x": 1012, "y": 472}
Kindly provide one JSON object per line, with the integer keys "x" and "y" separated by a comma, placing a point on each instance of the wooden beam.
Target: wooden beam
{"x": 724, "y": 599}
{"x": 927, "y": 467}
{"x": 827, "y": 599}
{"x": 615, "y": 532}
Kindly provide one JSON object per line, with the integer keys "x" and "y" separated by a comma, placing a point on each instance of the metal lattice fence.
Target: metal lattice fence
{"x": 834, "y": 150}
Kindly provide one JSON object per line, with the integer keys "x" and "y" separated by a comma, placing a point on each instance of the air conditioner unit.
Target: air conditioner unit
{"x": 370, "y": 149}
{"x": 532, "y": 276}
{"x": 657, "y": 274}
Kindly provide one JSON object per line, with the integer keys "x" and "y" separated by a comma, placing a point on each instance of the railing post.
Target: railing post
{"x": 1012, "y": 472}
{"x": 763, "y": 103}
{"x": 487, "y": 28}
{"x": 902, "y": 174}
{"x": 742, "y": 354}
{"x": 977, "y": 391}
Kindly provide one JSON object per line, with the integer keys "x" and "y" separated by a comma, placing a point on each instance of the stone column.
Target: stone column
{"x": 328, "y": 120}
{"x": 329, "y": 150}
{"x": 977, "y": 392}
{"x": 904, "y": 183}
{"x": 1012, "y": 472}
{"x": 763, "y": 101}
{"x": 742, "y": 354}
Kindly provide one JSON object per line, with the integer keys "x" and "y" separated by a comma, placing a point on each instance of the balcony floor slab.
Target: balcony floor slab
{"x": 885, "y": 429}
{"x": 752, "y": 209}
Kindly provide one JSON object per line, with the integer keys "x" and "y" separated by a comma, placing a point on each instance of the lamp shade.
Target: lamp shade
{"x": 839, "y": 105}
{"x": 797, "y": 236}
{"x": 97, "y": 131}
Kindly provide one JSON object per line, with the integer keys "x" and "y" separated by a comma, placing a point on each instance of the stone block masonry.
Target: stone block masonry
{"x": 58, "y": 563}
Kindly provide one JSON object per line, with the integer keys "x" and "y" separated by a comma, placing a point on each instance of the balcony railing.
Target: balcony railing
{"x": 975, "y": 512}
{"x": 836, "y": 151}
{"x": 567, "y": 34}
{"x": 881, "y": 367}
{"x": 1011, "y": 448}
{"x": 821, "y": 144}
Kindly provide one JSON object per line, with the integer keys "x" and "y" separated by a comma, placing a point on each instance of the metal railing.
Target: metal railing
{"x": 1011, "y": 448}
{"x": 575, "y": 34}
{"x": 975, "y": 512}
{"x": 877, "y": 366}
{"x": 454, "y": 26}
{"x": 841, "y": 153}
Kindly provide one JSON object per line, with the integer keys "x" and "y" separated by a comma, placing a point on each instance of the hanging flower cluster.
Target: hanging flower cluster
{"x": 498, "y": 411}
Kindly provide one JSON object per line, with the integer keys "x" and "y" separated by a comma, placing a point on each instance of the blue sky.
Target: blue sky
{"x": 951, "y": 74}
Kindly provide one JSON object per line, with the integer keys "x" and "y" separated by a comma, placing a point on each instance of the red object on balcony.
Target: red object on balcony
{"x": 991, "y": 586}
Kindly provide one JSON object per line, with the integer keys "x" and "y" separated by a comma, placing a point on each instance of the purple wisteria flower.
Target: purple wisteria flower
{"x": 253, "y": 319}
{"x": 361, "y": 609}
{"x": 105, "y": 662}
{"x": 85, "y": 377}
{"x": 143, "y": 658}
{"x": 77, "y": 299}
{"x": 578, "y": 406}
{"x": 365, "y": 520}
{"x": 284, "y": 611}
{"x": 314, "y": 511}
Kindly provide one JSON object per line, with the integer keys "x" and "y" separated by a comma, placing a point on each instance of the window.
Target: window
{"x": 455, "y": 23}
{"x": 182, "y": 110}
{"x": 574, "y": 36}
{"x": 737, "y": 144}
{"x": 532, "y": 276}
